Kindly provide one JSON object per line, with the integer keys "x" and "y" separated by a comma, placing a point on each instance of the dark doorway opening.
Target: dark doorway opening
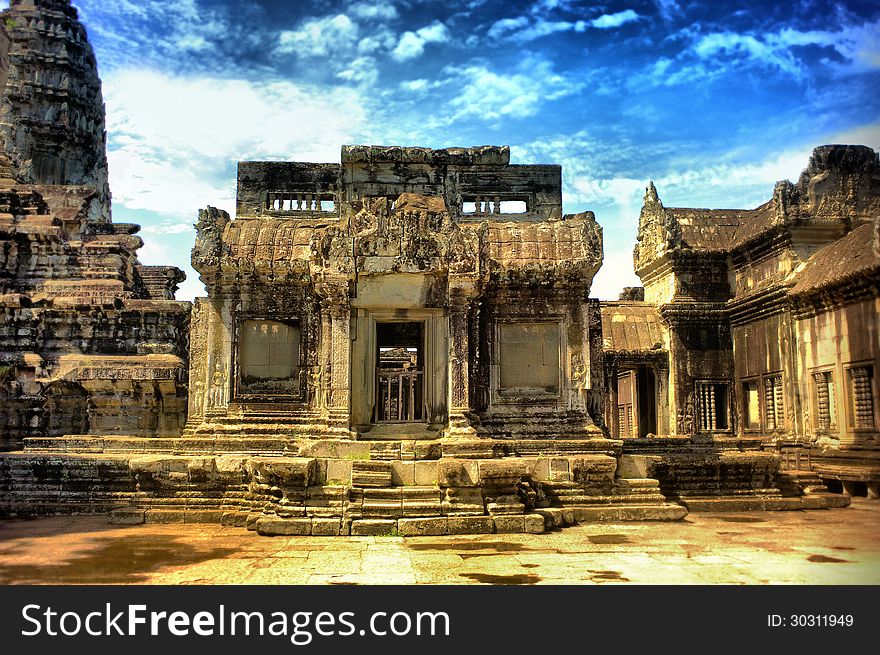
{"x": 636, "y": 402}
{"x": 400, "y": 373}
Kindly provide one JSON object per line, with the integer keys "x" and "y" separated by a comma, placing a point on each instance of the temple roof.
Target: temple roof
{"x": 858, "y": 253}
{"x": 631, "y": 327}
{"x": 721, "y": 229}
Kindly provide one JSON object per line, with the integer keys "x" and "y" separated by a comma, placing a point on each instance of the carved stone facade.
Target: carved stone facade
{"x": 403, "y": 342}
{"x": 91, "y": 341}
{"x": 413, "y": 238}
{"x": 766, "y": 322}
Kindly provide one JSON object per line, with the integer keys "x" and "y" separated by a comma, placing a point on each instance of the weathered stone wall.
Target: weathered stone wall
{"x": 91, "y": 341}
{"x": 836, "y": 341}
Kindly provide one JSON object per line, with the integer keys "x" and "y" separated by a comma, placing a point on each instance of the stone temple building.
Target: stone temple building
{"x": 91, "y": 341}
{"x": 403, "y": 342}
{"x": 760, "y": 327}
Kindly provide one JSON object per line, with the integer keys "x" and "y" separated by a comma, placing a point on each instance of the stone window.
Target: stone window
{"x": 861, "y": 397}
{"x": 529, "y": 357}
{"x": 826, "y": 403}
{"x": 281, "y": 201}
{"x": 268, "y": 358}
{"x": 494, "y": 204}
{"x": 751, "y": 405}
{"x": 712, "y": 406}
{"x": 774, "y": 407}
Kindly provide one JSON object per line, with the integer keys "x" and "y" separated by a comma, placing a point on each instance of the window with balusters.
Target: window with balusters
{"x": 774, "y": 403}
{"x": 861, "y": 397}
{"x": 825, "y": 400}
{"x": 712, "y": 406}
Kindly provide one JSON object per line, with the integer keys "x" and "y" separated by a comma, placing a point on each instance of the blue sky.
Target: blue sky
{"x": 714, "y": 101}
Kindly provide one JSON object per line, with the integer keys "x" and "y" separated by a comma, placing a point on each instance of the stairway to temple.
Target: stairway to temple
{"x": 379, "y": 487}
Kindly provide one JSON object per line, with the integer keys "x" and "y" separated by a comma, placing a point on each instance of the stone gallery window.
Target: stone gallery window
{"x": 712, "y": 404}
{"x": 529, "y": 357}
{"x": 774, "y": 406}
{"x": 861, "y": 397}
{"x": 751, "y": 405}
{"x": 268, "y": 358}
{"x": 826, "y": 403}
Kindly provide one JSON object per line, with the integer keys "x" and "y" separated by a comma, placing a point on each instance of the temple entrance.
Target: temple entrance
{"x": 400, "y": 373}
{"x": 636, "y": 402}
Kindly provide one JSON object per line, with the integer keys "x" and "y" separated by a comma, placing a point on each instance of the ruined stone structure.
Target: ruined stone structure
{"x": 758, "y": 329}
{"x": 91, "y": 341}
{"x": 403, "y": 342}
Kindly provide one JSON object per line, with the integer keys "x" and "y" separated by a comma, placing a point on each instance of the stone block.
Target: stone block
{"x": 325, "y": 527}
{"x": 285, "y": 471}
{"x": 203, "y": 515}
{"x": 458, "y": 473}
{"x": 336, "y": 449}
{"x": 470, "y": 525}
{"x": 636, "y": 466}
{"x": 158, "y": 464}
{"x": 251, "y": 521}
{"x": 164, "y": 516}
{"x": 403, "y": 473}
{"x": 338, "y": 471}
{"x": 510, "y": 524}
{"x": 540, "y": 471}
{"x": 560, "y": 470}
{"x": 502, "y": 472}
{"x": 534, "y": 523}
{"x": 373, "y": 527}
{"x": 234, "y": 519}
{"x": 426, "y": 472}
{"x": 463, "y": 501}
{"x": 127, "y": 516}
{"x": 422, "y": 527}
{"x": 593, "y": 469}
{"x": 277, "y": 526}
{"x": 427, "y": 450}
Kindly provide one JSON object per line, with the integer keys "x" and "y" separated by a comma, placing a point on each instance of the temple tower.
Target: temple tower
{"x": 52, "y": 111}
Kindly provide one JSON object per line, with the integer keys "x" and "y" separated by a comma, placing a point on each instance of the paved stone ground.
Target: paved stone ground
{"x": 840, "y": 546}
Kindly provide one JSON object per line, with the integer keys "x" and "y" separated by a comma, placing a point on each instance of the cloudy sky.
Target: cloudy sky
{"x": 714, "y": 100}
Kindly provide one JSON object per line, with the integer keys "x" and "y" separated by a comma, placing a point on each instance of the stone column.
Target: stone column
{"x": 613, "y": 418}
{"x": 461, "y": 294}
{"x": 337, "y": 307}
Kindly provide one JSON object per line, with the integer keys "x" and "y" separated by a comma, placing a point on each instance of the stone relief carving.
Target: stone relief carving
{"x": 217, "y": 396}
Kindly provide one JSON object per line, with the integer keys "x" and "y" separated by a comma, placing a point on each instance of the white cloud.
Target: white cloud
{"x": 523, "y": 29}
{"x": 668, "y": 8}
{"x": 507, "y": 25}
{"x": 362, "y": 70}
{"x": 168, "y": 228}
{"x": 616, "y": 272}
{"x": 412, "y": 44}
{"x": 856, "y": 49}
{"x": 174, "y": 141}
{"x": 374, "y": 10}
{"x": 488, "y": 95}
{"x": 608, "y": 21}
{"x": 747, "y": 46}
{"x": 318, "y": 37}
{"x": 538, "y": 29}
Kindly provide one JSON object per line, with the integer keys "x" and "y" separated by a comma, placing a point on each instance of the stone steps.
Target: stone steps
{"x": 370, "y": 473}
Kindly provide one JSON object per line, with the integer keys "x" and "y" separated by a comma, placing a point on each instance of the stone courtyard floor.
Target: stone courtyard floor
{"x": 839, "y": 546}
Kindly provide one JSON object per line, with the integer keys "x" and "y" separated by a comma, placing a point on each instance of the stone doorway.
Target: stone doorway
{"x": 636, "y": 402}
{"x": 400, "y": 372}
